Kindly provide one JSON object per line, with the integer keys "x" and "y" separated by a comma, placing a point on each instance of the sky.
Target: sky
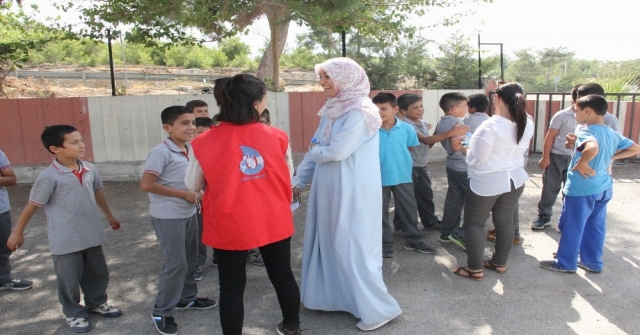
{"x": 603, "y": 30}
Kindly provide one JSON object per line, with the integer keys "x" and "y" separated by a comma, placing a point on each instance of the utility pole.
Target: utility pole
{"x": 113, "y": 74}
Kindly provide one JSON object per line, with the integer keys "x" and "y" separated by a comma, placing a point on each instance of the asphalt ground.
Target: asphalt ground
{"x": 526, "y": 300}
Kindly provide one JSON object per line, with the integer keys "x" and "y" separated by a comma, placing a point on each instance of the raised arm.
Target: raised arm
{"x": 457, "y": 130}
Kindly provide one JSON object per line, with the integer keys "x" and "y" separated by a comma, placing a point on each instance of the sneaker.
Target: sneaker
{"x": 434, "y": 226}
{"x": 457, "y": 239}
{"x": 586, "y": 268}
{"x": 79, "y": 325}
{"x": 420, "y": 247}
{"x": 284, "y": 331}
{"x": 400, "y": 232}
{"x": 368, "y": 328}
{"x": 541, "y": 222}
{"x": 444, "y": 238}
{"x": 553, "y": 266}
{"x": 214, "y": 262}
{"x": 106, "y": 311}
{"x": 197, "y": 274}
{"x": 165, "y": 324}
{"x": 255, "y": 257}
{"x": 199, "y": 303}
{"x": 17, "y": 285}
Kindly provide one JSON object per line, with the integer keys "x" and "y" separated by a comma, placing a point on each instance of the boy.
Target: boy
{"x": 411, "y": 107}
{"x": 454, "y": 106}
{"x": 477, "y": 107}
{"x": 172, "y": 212}
{"x": 70, "y": 190}
{"x": 395, "y": 167}
{"x": 199, "y": 107}
{"x": 588, "y": 189}
{"x": 7, "y": 178}
{"x": 555, "y": 161}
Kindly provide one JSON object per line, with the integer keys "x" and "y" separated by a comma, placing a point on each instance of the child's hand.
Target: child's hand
{"x": 584, "y": 169}
{"x": 15, "y": 241}
{"x": 544, "y": 163}
{"x": 429, "y": 126}
{"x": 459, "y": 130}
{"x": 571, "y": 140}
{"x": 296, "y": 192}
{"x": 114, "y": 223}
{"x": 191, "y": 197}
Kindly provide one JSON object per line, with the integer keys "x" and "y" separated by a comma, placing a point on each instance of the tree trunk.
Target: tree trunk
{"x": 269, "y": 64}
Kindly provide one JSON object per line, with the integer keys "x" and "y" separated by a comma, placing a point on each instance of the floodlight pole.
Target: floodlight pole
{"x": 113, "y": 74}
{"x": 344, "y": 43}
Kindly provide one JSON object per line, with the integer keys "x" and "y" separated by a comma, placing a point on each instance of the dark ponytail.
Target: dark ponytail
{"x": 236, "y": 97}
{"x": 513, "y": 96}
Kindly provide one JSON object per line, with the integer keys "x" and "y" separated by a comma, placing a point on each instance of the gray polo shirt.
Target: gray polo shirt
{"x": 420, "y": 153}
{"x": 455, "y": 159}
{"x": 564, "y": 122}
{"x": 69, "y": 202}
{"x": 169, "y": 164}
{"x": 4, "y": 195}
{"x": 475, "y": 120}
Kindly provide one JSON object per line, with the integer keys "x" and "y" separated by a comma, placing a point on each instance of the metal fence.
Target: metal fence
{"x": 542, "y": 106}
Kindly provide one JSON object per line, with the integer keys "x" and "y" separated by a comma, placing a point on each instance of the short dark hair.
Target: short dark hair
{"x": 590, "y": 88}
{"x": 204, "y": 121}
{"x": 574, "y": 92}
{"x": 448, "y": 100}
{"x": 54, "y": 135}
{"x": 236, "y": 97}
{"x": 596, "y": 102}
{"x": 196, "y": 103}
{"x": 408, "y": 99}
{"x": 383, "y": 98}
{"x": 266, "y": 115}
{"x": 480, "y": 102}
{"x": 170, "y": 114}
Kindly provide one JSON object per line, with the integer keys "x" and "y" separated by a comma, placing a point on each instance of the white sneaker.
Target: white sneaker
{"x": 368, "y": 328}
{"x": 79, "y": 325}
{"x": 107, "y": 311}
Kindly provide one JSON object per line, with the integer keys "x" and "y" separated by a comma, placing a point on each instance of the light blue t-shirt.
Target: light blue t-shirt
{"x": 395, "y": 160}
{"x": 4, "y": 196}
{"x": 609, "y": 142}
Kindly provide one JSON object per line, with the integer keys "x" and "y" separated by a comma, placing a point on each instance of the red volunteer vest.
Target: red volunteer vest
{"x": 248, "y": 195}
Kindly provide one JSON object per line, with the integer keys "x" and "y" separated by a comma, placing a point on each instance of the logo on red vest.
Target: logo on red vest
{"x": 252, "y": 162}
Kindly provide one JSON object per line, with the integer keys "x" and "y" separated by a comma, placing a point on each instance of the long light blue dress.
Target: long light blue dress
{"x": 342, "y": 251}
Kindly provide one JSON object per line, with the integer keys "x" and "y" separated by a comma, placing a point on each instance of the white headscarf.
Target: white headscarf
{"x": 352, "y": 85}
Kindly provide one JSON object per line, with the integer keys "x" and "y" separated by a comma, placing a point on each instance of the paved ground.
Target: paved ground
{"x": 525, "y": 300}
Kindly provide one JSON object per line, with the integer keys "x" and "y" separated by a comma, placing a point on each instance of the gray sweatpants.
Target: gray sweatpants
{"x": 455, "y": 201}
{"x": 87, "y": 270}
{"x": 178, "y": 241}
{"x": 424, "y": 198}
{"x": 476, "y": 212}
{"x": 406, "y": 210}
{"x": 5, "y": 252}
{"x": 553, "y": 180}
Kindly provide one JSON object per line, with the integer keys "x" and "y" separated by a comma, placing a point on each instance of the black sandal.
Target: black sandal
{"x": 476, "y": 275}
{"x": 489, "y": 265}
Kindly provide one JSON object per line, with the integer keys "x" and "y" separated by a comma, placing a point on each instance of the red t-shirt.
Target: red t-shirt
{"x": 248, "y": 195}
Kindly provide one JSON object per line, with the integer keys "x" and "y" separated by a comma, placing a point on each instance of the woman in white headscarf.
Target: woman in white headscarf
{"x": 342, "y": 252}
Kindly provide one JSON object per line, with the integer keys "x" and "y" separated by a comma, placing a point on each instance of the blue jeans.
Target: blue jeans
{"x": 583, "y": 226}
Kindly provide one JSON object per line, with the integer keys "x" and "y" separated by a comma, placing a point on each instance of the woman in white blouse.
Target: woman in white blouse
{"x": 496, "y": 179}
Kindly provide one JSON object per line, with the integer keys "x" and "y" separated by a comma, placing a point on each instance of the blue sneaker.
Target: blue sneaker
{"x": 541, "y": 222}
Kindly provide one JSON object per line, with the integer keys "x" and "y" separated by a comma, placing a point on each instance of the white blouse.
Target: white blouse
{"x": 494, "y": 157}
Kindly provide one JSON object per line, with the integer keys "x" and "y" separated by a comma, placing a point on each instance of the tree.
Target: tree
{"x": 167, "y": 19}
{"x": 456, "y": 68}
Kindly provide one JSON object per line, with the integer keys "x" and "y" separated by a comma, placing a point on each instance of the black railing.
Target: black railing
{"x": 564, "y": 100}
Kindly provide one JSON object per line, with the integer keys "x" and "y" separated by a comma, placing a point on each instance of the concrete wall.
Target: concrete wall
{"x": 120, "y": 131}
